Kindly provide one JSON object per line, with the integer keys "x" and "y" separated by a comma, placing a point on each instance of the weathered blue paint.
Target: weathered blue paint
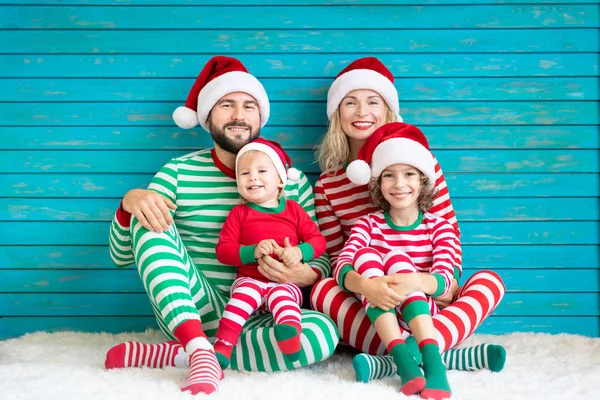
{"x": 506, "y": 92}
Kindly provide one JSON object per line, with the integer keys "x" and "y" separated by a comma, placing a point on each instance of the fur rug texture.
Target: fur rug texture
{"x": 70, "y": 365}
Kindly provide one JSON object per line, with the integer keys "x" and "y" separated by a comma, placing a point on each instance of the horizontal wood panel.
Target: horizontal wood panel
{"x": 128, "y": 281}
{"x": 286, "y": 2}
{"x": 431, "y": 89}
{"x": 480, "y": 161}
{"x": 461, "y": 185}
{"x": 299, "y": 41}
{"x": 306, "y": 137}
{"x": 494, "y": 257}
{"x": 525, "y": 304}
{"x": 96, "y": 233}
{"x": 300, "y": 17}
{"x": 300, "y": 66}
{"x": 17, "y": 326}
{"x": 307, "y": 113}
{"x": 478, "y": 209}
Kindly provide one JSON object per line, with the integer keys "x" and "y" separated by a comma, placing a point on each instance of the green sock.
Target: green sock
{"x": 408, "y": 370}
{"x": 483, "y": 356}
{"x": 436, "y": 386}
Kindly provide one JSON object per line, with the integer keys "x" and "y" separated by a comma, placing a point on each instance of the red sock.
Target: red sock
{"x": 205, "y": 372}
{"x": 223, "y": 350}
{"x": 288, "y": 340}
{"x": 135, "y": 354}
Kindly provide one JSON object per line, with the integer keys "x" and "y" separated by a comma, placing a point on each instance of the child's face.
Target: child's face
{"x": 257, "y": 179}
{"x": 401, "y": 185}
{"x": 362, "y": 111}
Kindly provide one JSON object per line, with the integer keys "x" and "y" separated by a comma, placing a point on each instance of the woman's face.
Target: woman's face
{"x": 362, "y": 111}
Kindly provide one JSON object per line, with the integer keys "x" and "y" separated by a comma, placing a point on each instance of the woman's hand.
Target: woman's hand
{"x": 150, "y": 208}
{"x": 299, "y": 274}
{"x": 379, "y": 292}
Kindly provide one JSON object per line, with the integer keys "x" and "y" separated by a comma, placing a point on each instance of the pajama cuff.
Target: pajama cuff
{"x": 342, "y": 275}
{"x": 308, "y": 253}
{"x": 375, "y": 312}
{"x": 457, "y": 273}
{"x": 123, "y": 217}
{"x": 441, "y": 285}
{"x": 247, "y": 254}
{"x": 414, "y": 309}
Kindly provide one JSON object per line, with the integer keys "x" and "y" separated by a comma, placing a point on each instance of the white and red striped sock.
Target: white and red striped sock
{"x": 205, "y": 373}
{"x": 136, "y": 354}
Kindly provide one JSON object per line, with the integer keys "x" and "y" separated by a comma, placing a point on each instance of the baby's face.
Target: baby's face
{"x": 257, "y": 179}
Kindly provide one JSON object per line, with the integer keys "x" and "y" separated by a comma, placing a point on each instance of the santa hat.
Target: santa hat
{"x": 220, "y": 76}
{"x": 275, "y": 152}
{"x": 393, "y": 143}
{"x": 364, "y": 73}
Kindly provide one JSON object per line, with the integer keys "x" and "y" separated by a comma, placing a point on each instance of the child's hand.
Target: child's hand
{"x": 291, "y": 255}
{"x": 265, "y": 248}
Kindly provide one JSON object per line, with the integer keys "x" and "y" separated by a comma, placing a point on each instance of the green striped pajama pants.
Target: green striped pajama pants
{"x": 178, "y": 292}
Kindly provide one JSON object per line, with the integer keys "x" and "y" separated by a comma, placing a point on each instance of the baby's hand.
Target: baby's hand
{"x": 265, "y": 247}
{"x": 291, "y": 255}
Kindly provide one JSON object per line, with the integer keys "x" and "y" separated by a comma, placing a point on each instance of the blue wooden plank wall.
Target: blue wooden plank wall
{"x": 507, "y": 92}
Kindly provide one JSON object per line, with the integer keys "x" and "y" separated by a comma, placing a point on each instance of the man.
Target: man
{"x": 170, "y": 231}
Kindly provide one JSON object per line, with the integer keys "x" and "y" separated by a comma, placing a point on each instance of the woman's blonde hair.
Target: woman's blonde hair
{"x": 334, "y": 150}
{"x": 424, "y": 201}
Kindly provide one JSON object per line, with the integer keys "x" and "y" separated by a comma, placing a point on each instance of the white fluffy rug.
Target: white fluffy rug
{"x": 70, "y": 365}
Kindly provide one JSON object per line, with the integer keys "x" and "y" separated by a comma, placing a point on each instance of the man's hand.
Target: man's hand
{"x": 150, "y": 208}
{"x": 299, "y": 274}
{"x": 265, "y": 247}
{"x": 379, "y": 293}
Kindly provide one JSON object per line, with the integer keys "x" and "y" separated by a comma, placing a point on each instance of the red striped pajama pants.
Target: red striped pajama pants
{"x": 247, "y": 295}
{"x": 472, "y": 304}
{"x": 369, "y": 263}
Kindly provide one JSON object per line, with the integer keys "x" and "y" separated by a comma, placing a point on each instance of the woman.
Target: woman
{"x": 361, "y": 99}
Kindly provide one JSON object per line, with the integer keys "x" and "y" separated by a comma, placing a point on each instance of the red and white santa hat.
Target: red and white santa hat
{"x": 220, "y": 76}
{"x": 276, "y": 153}
{"x": 364, "y": 73}
{"x": 393, "y": 143}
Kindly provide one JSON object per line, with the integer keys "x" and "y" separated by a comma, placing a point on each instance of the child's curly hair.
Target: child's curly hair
{"x": 424, "y": 201}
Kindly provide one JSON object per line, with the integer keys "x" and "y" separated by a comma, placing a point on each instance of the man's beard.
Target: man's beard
{"x": 219, "y": 136}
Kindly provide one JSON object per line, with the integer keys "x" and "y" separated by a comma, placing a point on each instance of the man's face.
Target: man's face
{"x": 234, "y": 121}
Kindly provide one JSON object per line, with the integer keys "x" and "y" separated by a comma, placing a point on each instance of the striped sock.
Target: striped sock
{"x": 136, "y": 354}
{"x": 483, "y": 356}
{"x": 476, "y": 358}
{"x": 368, "y": 367}
{"x": 205, "y": 373}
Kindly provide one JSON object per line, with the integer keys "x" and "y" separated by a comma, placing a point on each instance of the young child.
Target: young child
{"x": 403, "y": 238}
{"x": 266, "y": 224}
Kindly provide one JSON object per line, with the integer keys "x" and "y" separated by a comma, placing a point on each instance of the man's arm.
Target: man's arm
{"x": 144, "y": 204}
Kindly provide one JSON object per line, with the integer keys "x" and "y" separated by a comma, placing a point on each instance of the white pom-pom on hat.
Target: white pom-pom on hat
{"x": 293, "y": 174}
{"x": 185, "y": 118}
{"x": 359, "y": 172}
